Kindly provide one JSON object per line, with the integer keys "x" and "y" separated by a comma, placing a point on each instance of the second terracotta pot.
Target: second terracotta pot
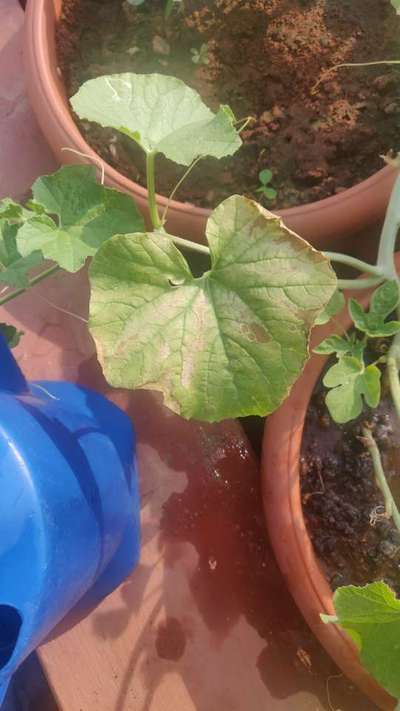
{"x": 322, "y": 223}
{"x": 287, "y": 529}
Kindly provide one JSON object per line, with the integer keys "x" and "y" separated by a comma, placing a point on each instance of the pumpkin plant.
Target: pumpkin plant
{"x": 230, "y": 342}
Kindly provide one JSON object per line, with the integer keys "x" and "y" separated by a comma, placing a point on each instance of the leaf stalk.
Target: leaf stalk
{"x": 380, "y": 477}
{"x": 151, "y": 189}
{"x": 35, "y": 280}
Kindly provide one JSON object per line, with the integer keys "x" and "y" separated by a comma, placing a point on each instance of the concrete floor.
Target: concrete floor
{"x": 29, "y": 690}
{"x": 23, "y": 156}
{"x": 24, "y": 153}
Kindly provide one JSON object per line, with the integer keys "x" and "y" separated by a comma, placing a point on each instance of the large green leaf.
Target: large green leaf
{"x": 160, "y": 113}
{"x": 229, "y": 343}
{"x": 371, "y": 615}
{"x": 88, "y": 214}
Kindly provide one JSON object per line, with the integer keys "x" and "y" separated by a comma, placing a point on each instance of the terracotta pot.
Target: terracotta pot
{"x": 289, "y": 537}
{"x": 320, "y": 222}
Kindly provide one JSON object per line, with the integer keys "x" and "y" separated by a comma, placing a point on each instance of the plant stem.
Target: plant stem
{"x": 187, "y": 244}
{"x": 380, "y": 477}
{"x": 389, "y": 233}
{"x": 353, "y": 262}
{"x": 151, "y": 188}
{"x": 177, "y": 186}
{"x": 43, "y": 275}
{"x": 393, "y": 362}
{"x": 366, "y": 283}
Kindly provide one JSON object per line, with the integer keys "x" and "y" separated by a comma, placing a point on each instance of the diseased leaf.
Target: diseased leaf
{"x": 371, "y": 615}
{"x": 10, "y": 334}
{"x": 229, "y": 343}
{"x": 88, "y": 214}
{"x": 160, "y": 113}
{"x": 335, "y": 304}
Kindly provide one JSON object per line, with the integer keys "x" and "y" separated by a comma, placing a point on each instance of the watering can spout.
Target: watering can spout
{"x": 11, "y": 377}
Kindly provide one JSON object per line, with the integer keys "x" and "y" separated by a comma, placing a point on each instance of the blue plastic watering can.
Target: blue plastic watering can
{"x": 69, "y": 505}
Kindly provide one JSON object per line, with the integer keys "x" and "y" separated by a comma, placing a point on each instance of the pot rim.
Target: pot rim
{"x": 291, "y": 542}
{"x": 58, "y": 105}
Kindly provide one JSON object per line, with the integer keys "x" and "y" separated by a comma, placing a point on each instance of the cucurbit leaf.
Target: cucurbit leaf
{"x": 160, "y": 113}
{"x": 371, "y": 615}
{"x": 385, "y": 299}
{"x": 228, "y": 344}
{"x": 335, "y": 304}
{"x": 87, "y": 212}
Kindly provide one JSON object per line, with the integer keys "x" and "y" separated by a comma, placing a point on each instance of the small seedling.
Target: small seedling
{"x": 200, "y": 56}
{"x": 265, "y": 177}
{"x": 169, "y": 6}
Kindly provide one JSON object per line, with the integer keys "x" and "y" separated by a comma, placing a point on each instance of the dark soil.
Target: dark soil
{"x": 265, "y": 56}
{"x": 343, "y": 507}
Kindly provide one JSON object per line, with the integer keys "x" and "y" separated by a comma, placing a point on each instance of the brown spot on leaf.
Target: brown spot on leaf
{"x": 255, "y": 332}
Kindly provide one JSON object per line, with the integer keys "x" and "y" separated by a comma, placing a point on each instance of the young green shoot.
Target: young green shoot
{"x": 265, "y": 189}
{"x": 169, "y": 6}
{"x": 200, "y": 56}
